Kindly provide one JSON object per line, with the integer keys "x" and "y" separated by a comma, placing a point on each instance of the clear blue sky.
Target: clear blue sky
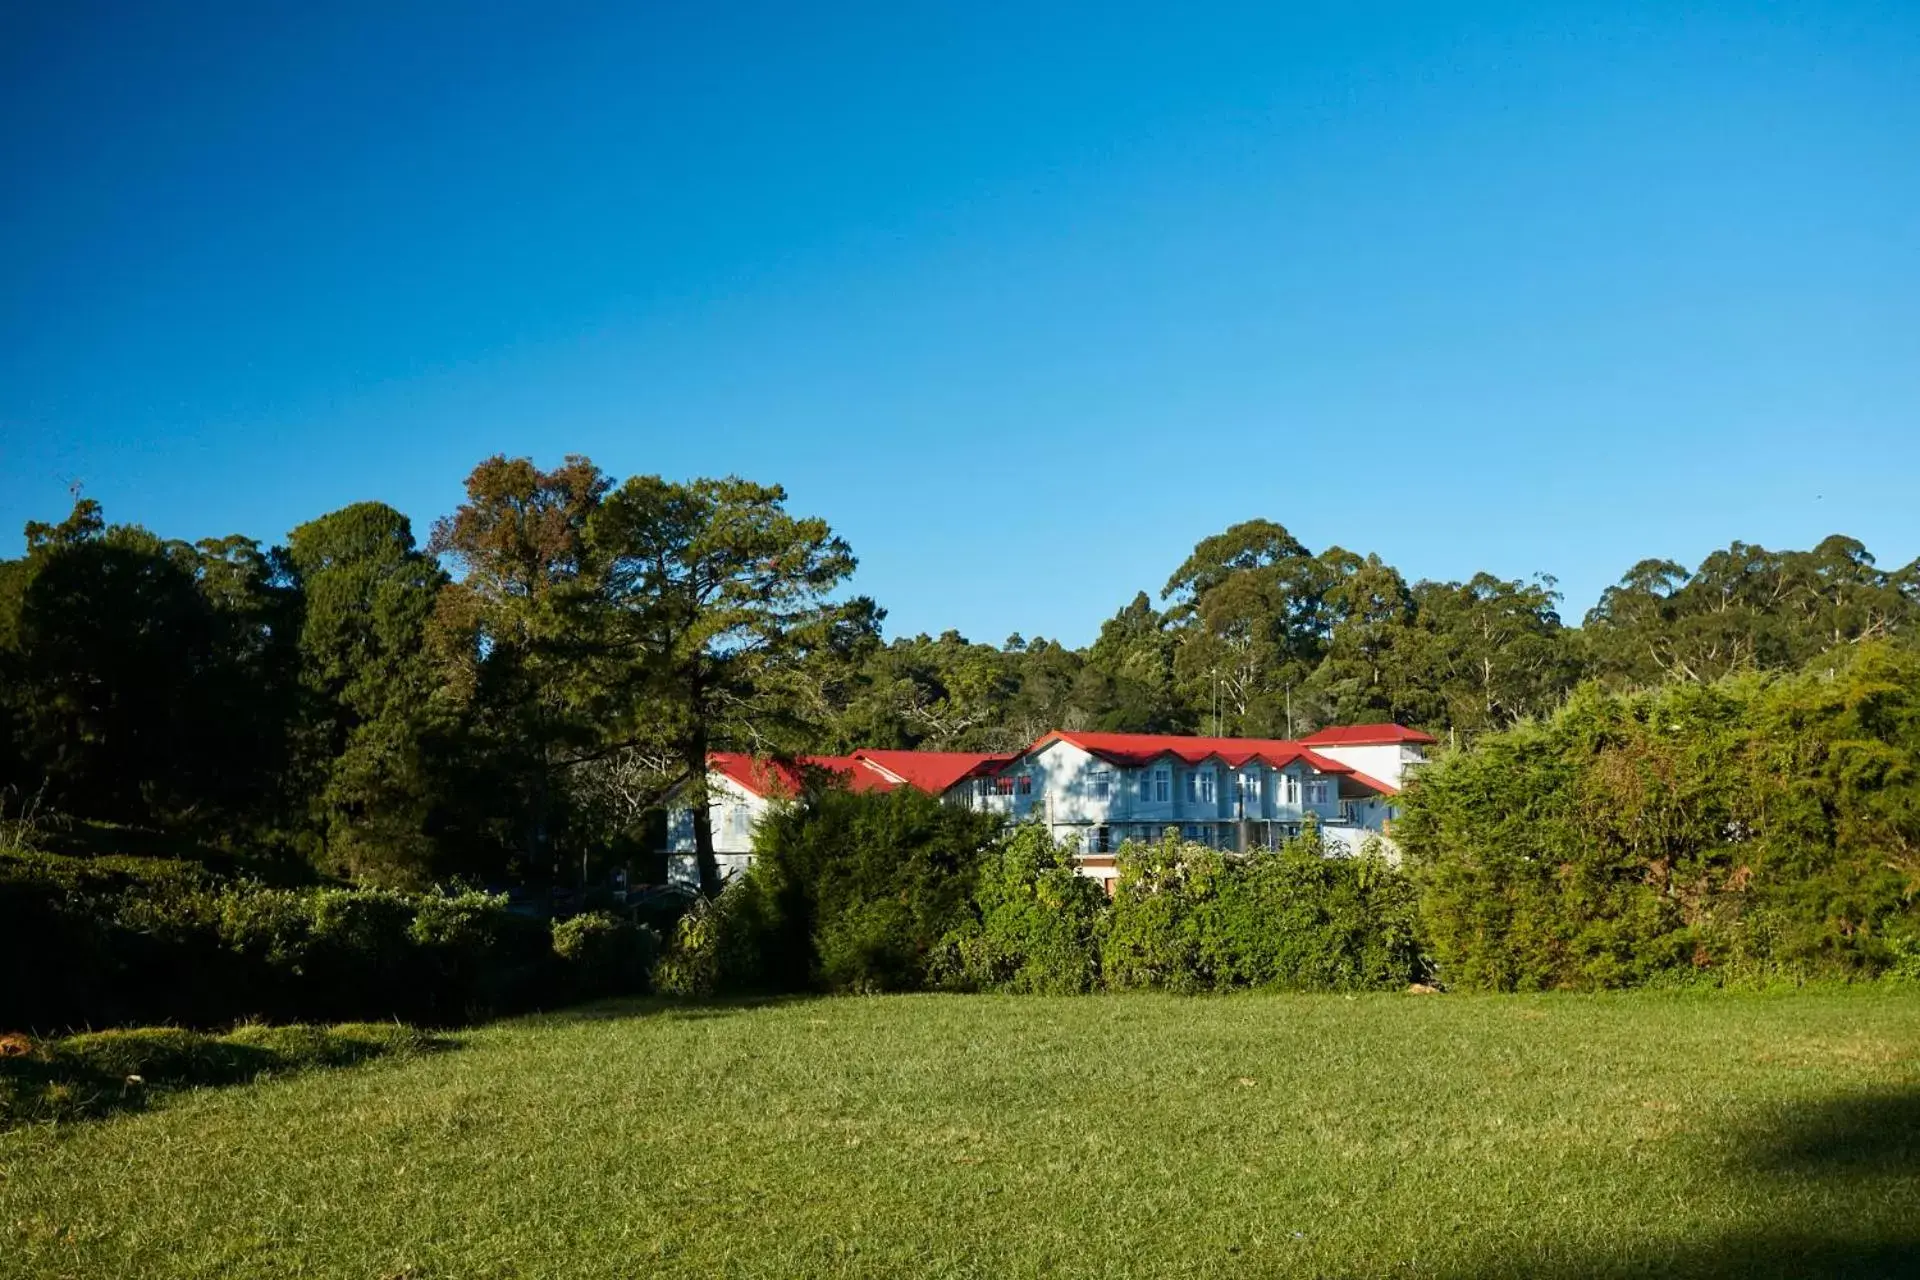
{"x": 1024, "y": 299}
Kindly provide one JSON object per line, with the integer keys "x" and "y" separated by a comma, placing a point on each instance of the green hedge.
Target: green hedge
{"x": 1757, "y": 829}
{"x": 86, "y": 943}
{"x": 1036, "y": 925}
{"x": 1189, "y": 918}
{"x": 960, "y": 906}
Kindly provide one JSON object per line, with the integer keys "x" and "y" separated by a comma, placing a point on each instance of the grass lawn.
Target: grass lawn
{"x": 1112, "y": 1136}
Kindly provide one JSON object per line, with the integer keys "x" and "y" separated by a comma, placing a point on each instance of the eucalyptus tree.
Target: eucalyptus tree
{"x": 1249, "y": 609}
{"x": 1747, "y": 608}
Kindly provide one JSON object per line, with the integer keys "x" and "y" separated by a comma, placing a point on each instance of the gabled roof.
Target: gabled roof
{"x": 1366, "y": 780}
{"x": 1137, "y": 750}
{"x": 1367, "y": 735}
{"x": 1133, "y": 750}
{"x": 764, "y": 776}
{"x": 931, "y": 771}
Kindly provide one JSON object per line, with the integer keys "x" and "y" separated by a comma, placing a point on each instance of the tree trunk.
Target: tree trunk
{"x": 707, "y": 866}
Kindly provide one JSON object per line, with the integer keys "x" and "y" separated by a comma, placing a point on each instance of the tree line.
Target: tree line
{"x": 511, "y": 699}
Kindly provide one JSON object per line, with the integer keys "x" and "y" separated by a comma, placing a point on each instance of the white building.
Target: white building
{"x": 1103, "y": 789}
{"x": 1100, "y": 789}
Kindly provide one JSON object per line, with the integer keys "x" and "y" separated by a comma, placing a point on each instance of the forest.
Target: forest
{"x": 508, "y": 700}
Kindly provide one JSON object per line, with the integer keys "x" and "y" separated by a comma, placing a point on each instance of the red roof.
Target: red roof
{"x": 931, "y": 771}
{"x": 859, "y": 775}
{"x": 1136, "y": 749}
{"x": 1384, "y": 788}
{"x": 1366, "y": 735}
{"x": 938, "y": 771}
{"x": 764, "y": 776}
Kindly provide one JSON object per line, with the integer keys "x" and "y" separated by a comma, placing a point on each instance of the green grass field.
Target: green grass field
{"x": 947, "y": 1136}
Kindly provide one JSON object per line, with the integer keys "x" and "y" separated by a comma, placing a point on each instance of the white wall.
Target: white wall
{"x": 1063, "y": 796}
{"x": 731, "y": 808}
{"x": 734, "y": 812}
{"x": 1386, "y": 761}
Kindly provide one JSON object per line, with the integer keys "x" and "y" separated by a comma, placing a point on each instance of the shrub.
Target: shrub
{"x": 604, "y": 955}
{"x": 1037, "y": 924}
{"x": 850, "y": 893}
{"x": 80, "y": 948}
{"x": 1759, "y": 827}
{"x": 719, "y": 943}
{"x": 1188, "y": 918}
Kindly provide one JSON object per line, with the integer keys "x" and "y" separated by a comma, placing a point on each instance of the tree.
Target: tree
{"x": 148, "y": 678}
{"x": 512, "y": 633}
{"x": 1250, "y": 545}
{"x": 713, "y": 604}
{"x": 1366, "y": 673}
{"x": 1133, "y": 658}
{"x": 371, "y": 714}
{"x": 1249, "y": 608}
{"x": 1488, "y": 653}
{"x": 1746, "y": 608}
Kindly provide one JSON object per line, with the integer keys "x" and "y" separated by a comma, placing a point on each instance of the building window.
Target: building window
{"x": 1003, "y": 786}
{"x": 1249, "y": 784}
{"x": 1200, "y": 786}
{"x": 1293, "y": 789}
{"x": 737, "y": 820}
{"x": 1146, "y": 786}
{"x": 1316, "y": 791}
{"x": 1161, "y": 785}
{"x": 1024, "y": 784}
{"x": 1100, "y": 786}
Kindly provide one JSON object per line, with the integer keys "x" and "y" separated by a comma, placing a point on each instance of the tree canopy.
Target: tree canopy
{"x": 517, "y": 700}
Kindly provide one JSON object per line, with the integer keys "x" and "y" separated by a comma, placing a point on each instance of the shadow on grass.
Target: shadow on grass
{"x": 91, "y": 1076}
{"x": 1858, "y": 1148}
{"x": 668, "y": 1009}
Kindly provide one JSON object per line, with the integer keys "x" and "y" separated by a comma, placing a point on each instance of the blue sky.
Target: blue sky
{"x": 1024, "y": 299}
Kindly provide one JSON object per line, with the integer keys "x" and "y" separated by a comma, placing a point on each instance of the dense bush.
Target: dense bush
{"x": 1037, "y": 925}
{"x": 604, "y": 955}
{"x": 847, "y": 893}
{"x": 1189, "y": 918}
{"x": 900, "y": 893}
{"x": 1759, "y": 827}
{"x": 105, "y": 943}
